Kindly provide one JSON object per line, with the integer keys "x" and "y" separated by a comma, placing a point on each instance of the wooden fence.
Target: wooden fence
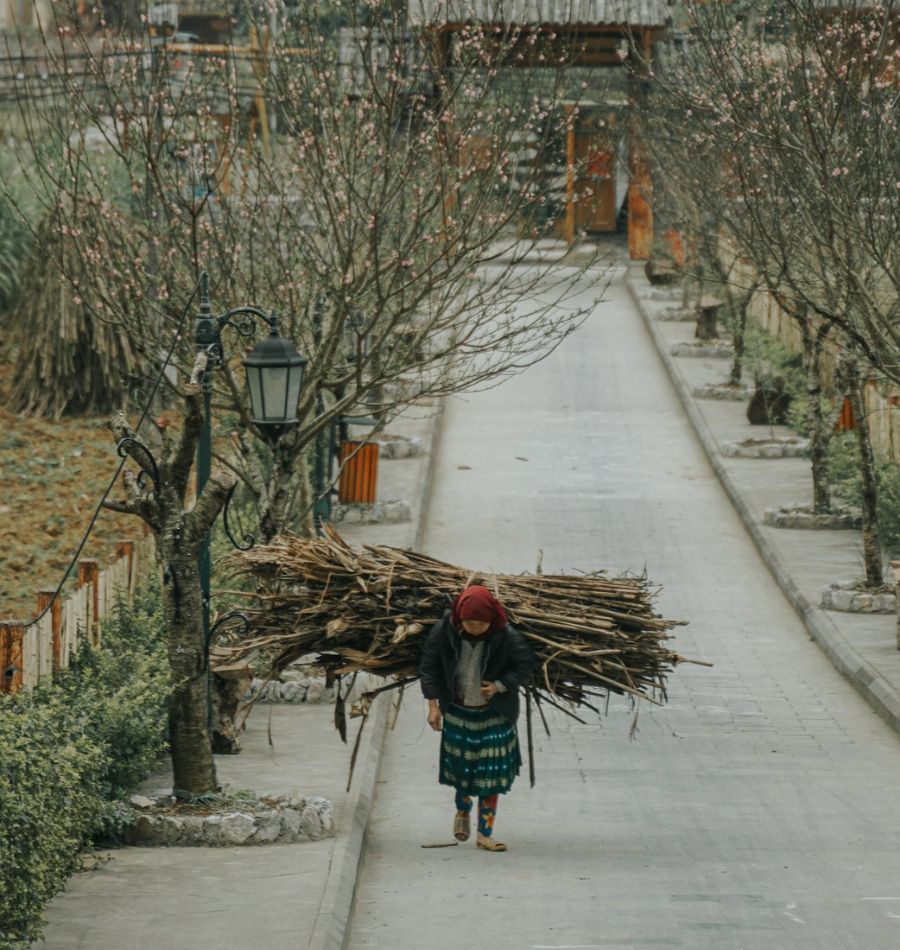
{"x": 882, "y": 399}
{"x": 31, "y": 652}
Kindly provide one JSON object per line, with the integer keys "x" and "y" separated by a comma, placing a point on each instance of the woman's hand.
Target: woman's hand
{"x": 435, "y": 719}
{"x": 489, "y": 690}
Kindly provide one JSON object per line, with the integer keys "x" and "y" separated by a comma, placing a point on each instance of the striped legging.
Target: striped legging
{"x": 487, "y": 810}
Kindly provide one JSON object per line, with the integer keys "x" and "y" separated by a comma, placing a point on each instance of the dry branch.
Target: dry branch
{"x": 371, "y": 609}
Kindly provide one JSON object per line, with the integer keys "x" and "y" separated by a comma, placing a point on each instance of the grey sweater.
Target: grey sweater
{"x": 468, "y": 675}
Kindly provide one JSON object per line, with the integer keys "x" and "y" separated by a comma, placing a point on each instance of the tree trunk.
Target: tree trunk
{"x": 193, "y": 766}
{"x": 179, "y": 536}
{"x": 303, "y": 521}
{"x": 819, "y": 431}
{"x": 736, "y": 373}
{"x": 871, "y": 538}
{"x": 739, "y": 336}
{"x": 277, "y": 510}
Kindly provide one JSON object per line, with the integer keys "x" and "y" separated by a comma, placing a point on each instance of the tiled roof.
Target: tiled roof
{"x": 559, "y": 12}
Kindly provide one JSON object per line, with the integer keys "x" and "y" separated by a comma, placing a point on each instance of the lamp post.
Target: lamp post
{"x": 274, "y": 379}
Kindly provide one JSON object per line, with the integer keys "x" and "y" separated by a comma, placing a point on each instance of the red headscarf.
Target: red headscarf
{"x": 478, "y": 603}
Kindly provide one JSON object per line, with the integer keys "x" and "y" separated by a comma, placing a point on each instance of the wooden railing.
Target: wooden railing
{"x": 31, "y": 652}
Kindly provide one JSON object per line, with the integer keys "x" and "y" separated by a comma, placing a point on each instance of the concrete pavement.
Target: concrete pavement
{"x": 862, "y": 646}
{"x": 758, "y": 809}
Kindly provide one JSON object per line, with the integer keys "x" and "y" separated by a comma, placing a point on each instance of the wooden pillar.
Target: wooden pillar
{"x": 89, "y": 576}
{"x": 640, "y": 186}
{"x": 640, "y": 210}
{"x": 44, "y": 597}
{"x": 12, "y": 659}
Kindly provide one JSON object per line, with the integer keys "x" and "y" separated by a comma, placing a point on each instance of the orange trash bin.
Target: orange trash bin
{"x": 359, "y": 472}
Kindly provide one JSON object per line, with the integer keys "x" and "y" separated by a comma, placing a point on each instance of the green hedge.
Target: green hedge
{"x": 69, "y": 752}
{"x": 846, "y": 484}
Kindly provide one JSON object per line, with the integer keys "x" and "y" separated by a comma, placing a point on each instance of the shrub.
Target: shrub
{"x": 122, "y": 691}
{"x": 768, "y": 358}
{"x": 68, "y": 751}
{"x": 846, "y": 482}
{"x": 50, "y": 802}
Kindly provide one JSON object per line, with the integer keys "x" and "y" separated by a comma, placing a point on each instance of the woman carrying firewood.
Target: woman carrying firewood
{"x": 473, "y": 664}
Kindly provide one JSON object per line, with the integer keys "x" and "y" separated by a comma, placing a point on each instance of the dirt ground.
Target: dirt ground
{"x": 52, "y": 475}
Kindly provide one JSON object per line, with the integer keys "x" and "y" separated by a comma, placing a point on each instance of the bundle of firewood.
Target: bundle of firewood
{"x": 371, "y": 609}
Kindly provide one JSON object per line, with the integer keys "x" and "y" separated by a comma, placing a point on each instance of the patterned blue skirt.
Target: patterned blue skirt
{"x": 479, "y": 751}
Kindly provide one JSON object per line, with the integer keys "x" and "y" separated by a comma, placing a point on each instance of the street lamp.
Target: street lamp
{"x": 274, "y": 380}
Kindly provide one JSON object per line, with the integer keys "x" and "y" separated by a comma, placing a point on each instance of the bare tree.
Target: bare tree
{"x": 384, "y": 212}
{"x": 803, "y": 102}
{"x": 158, "y": 496}
{"x": 688, "y": 168}
{"x": 379, "y": 186}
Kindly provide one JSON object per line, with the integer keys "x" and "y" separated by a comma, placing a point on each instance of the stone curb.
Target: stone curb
{"x": 331, "y": 930}
{"x": 880, "y": 695}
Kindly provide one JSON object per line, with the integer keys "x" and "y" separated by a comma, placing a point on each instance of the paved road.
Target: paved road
{"x": 759, "y": 809}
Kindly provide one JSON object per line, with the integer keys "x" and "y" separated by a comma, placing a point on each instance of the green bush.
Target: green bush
{"x": 68, "y": 752}
{"x": 50, "y": 802}
{"x": 797, "y": 413}
{"x": 767, "y": 358}
{"x": 846, "y": 486}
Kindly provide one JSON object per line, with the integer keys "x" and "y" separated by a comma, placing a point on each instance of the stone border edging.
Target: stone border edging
{"x": 286, "y": 819}
{"x": 845, "y": 596}
{"x": 331, "y": 930}
{"x": 864, "y": 677}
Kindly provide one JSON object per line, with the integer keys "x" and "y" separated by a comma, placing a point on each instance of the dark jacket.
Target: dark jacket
{"x": 507, "y": 657}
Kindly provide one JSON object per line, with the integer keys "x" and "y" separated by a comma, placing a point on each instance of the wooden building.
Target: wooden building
{"x": 23, "y": 14}
{"x": 603, "y": 182}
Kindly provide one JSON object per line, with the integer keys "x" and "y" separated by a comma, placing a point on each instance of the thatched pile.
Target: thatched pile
{"x": 71, "y": 359}
{"x": 371, "y": 609}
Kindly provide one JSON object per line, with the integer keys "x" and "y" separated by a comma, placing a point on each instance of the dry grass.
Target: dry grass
{"x": 51, "y": 476}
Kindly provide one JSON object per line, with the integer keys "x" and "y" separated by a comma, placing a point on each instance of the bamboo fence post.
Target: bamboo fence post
{"x": 76, "y": 624}
{"x": 31, "y": 655}
{"x": 143, "y": 562}
{"x": 71, "y": 621}
{"x": 104, "y": 594}
{"x": 12, "y": 634}
{"x": 44, "y": 597}
{"x": 44, "y": 629}
{"x": 89, "y": 581}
